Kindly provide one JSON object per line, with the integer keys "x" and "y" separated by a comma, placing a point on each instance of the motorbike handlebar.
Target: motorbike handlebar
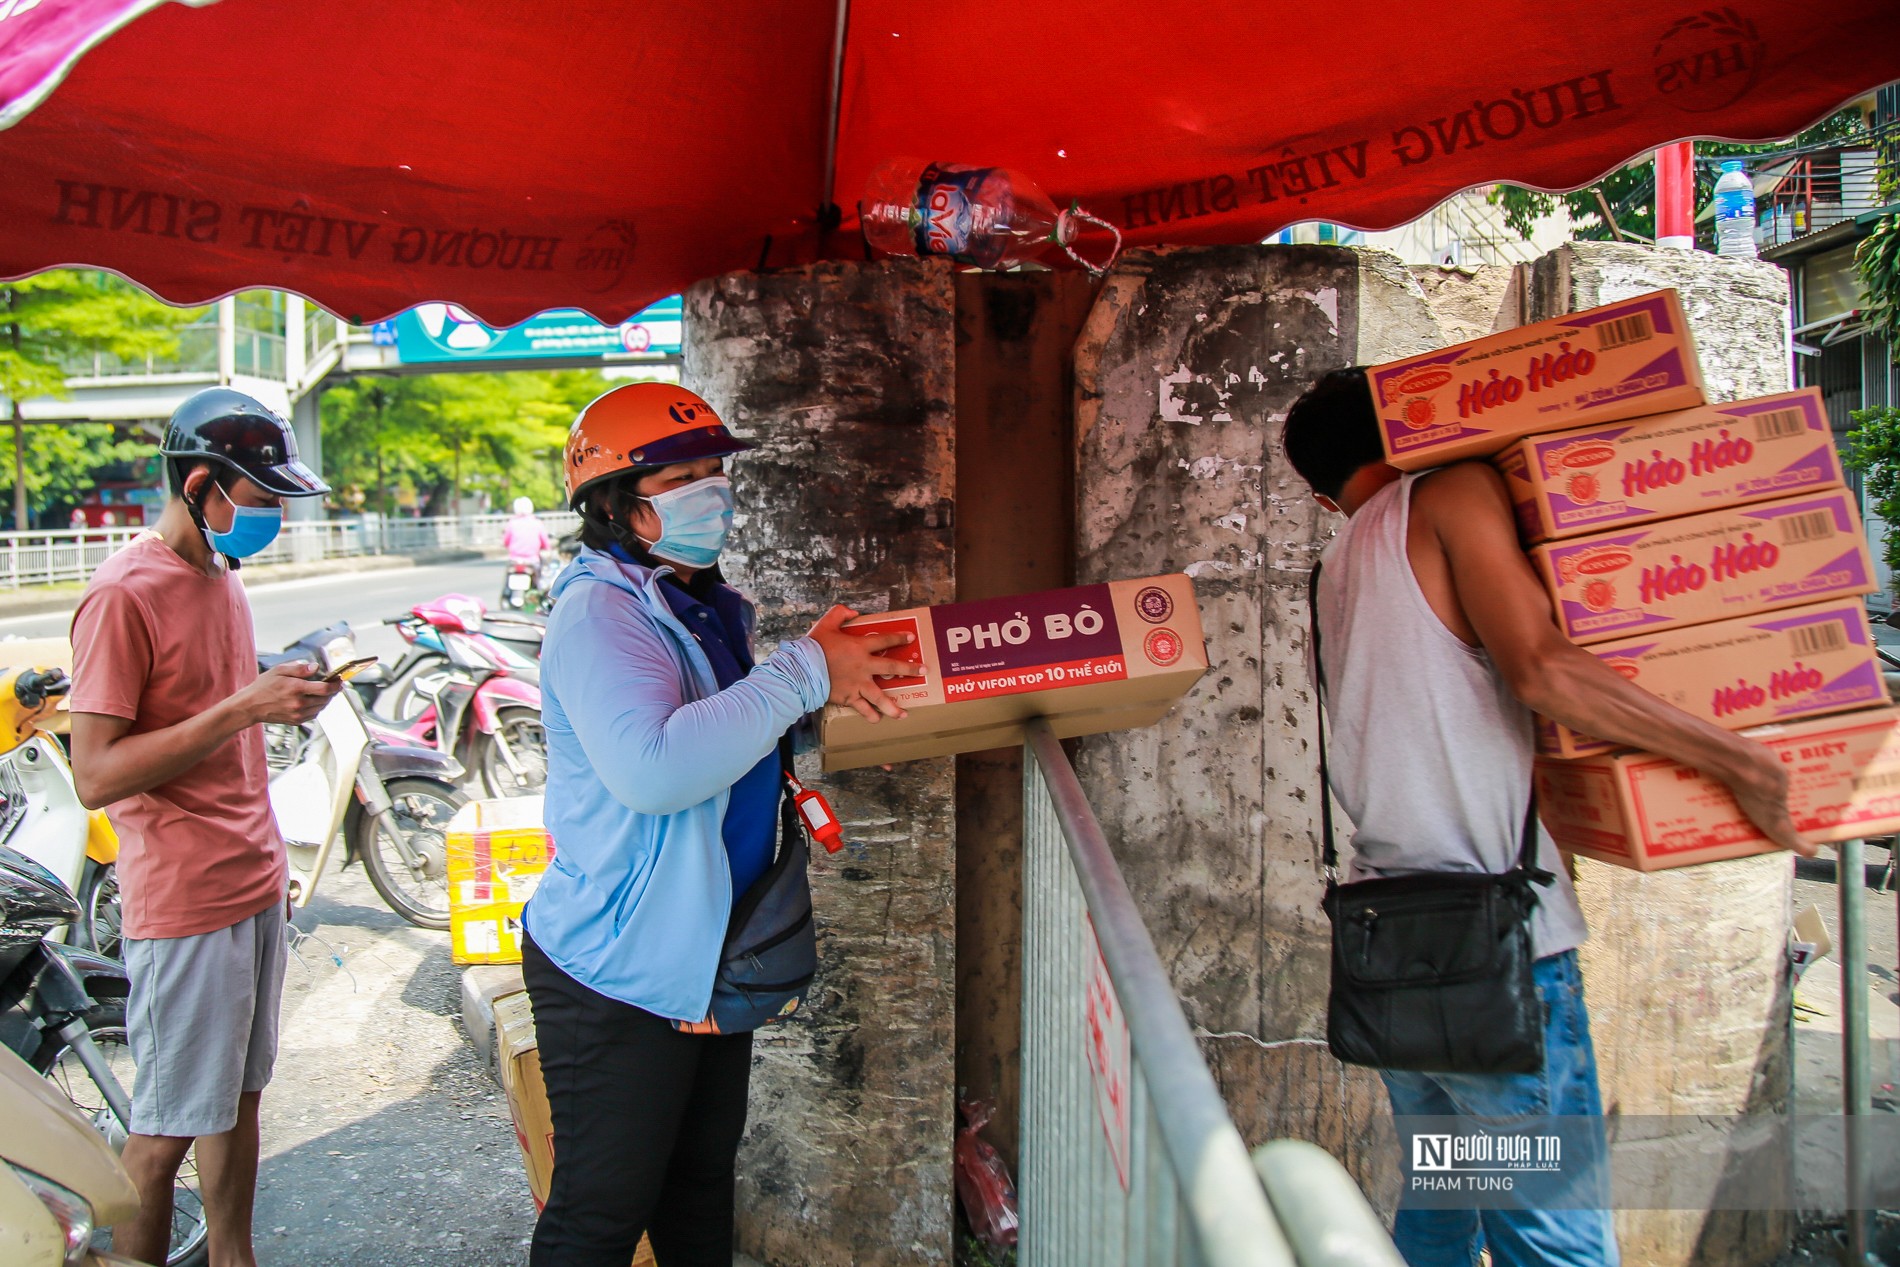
{"x": 33, "y": 686}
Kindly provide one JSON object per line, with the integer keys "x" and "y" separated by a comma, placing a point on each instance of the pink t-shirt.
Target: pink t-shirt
{"x": 525, "y": 539}
{"x": 157, "y": 641}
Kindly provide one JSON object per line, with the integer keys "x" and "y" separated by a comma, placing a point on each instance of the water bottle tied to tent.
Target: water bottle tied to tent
{"x": 984, "y": 217}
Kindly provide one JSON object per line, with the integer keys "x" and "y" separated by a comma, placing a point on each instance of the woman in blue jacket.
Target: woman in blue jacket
{"x": 662, "y": 797}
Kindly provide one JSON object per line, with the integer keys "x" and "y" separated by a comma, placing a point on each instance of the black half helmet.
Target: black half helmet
{"x": 233, "y": 430}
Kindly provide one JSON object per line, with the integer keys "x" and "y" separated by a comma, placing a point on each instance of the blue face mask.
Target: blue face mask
{"x": 694, "y": 522}
{"x": 252, "y": 528}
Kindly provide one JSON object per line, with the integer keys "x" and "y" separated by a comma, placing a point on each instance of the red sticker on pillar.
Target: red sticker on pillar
{"x": 1008, "y": 646}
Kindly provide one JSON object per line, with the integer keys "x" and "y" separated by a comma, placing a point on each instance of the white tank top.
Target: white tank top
{"x": 1430, "y": 753}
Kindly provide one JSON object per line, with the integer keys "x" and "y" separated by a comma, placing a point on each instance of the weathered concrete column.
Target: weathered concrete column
{"x": 1686, "y": 971}
{"x": 1183, "y": 376}
{"x": 843, "y": 375}
{"x": 1015, "y": 535}
{"x": 306, "y": 423}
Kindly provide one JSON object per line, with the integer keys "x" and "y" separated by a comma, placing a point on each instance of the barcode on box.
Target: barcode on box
{"x": 1779, "y": 424}
{"x": 1815, "y": 525}
{"x": 1818, "y": 639}
{"x": 1876, "y": 780}
{"x": 1620, "y": 332}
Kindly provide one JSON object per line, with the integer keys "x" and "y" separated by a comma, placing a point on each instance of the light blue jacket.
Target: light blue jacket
{"x": 643, "y": 749}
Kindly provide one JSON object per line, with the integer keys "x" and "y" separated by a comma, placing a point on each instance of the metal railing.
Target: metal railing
{"x": 1128, "y": 1153}
{"x": 40, "y": 558}
{"x": 196, "y": 354}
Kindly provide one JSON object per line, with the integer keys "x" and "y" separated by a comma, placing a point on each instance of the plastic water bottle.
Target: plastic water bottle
{"x": 990, "y": 217}
{"x": 1735, "y": 213}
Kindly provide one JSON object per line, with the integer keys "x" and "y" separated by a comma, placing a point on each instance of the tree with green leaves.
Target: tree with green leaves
{"x": 444, "y": 436}
{"x": 45, "y": 321}
{"x": 1877, "y": 259}
{"x": 1629, "y": 192}
{"x": 1873, "y": 449}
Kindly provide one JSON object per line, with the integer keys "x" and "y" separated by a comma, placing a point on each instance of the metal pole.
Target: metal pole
{"x": 1229, "y": 1208}
{"x": 1857, "y": 1056}
{"x": 1675, "y": 195}
{"x": 19, "y": 471}
{"x": 828, "y": 213}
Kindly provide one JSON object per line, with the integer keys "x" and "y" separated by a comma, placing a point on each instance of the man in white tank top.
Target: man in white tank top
{"x": 1439, "y": 645}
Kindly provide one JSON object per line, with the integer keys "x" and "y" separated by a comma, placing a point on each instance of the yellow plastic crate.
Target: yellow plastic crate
{"x": 497, "y": 851}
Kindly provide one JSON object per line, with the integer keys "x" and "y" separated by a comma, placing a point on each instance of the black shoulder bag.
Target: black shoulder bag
{"x": 1431, "y": 972}
{"x": 771, "y": 950}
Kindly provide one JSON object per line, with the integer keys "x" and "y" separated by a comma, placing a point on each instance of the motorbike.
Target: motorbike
{"x": 62, "y": 1011}
{"x": 346, "y": 775}
{"x": 426, "y": 627}
{"x": 552, "y": 562}
{"x": 41, "y": 810}
{"x": 60, "y": 1182}
{"x": 479, "y": 705}
{"x": 517, "y": 586}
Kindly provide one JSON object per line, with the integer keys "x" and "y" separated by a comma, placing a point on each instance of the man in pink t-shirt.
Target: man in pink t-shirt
{"x": 166, "y": 711}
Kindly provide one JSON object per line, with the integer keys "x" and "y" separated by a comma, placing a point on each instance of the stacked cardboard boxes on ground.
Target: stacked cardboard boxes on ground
{"x": 1709, "y": 553}
{"x": 518, "y": 1059}
{"x": 496, "y": 851}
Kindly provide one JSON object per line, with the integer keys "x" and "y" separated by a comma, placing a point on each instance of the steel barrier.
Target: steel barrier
{"x": 41, "y": 558}
{"x": 1128, "y": 1153}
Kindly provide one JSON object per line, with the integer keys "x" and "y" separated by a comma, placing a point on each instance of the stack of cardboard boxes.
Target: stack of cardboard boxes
{"x": 495, "y": 853}
{"x": 1709, "y": 553}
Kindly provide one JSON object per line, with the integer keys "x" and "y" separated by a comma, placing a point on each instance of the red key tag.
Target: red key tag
{"x": 815, "y": 812}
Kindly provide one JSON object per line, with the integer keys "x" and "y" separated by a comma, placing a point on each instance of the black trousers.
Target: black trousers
{"x": 647, "y": 1122}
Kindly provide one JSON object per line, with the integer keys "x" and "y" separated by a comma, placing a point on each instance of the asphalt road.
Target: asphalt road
{"x": 286, "y": 610}
{"x": 386, "y": 1141}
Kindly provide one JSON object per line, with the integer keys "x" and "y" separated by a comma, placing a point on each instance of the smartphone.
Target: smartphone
{"x": 349, "y": 669}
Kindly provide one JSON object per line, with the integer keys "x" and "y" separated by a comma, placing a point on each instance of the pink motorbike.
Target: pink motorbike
{"x": 459, "y": 691}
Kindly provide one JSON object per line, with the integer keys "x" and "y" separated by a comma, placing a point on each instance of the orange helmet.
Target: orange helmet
{"x": 642, "y": 424}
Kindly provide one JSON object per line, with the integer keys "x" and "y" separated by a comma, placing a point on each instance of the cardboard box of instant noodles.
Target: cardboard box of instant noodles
{"x": 1089, "y": 659}
{"x": 1648, "y": 813}
{"x": 1622, "y": 360}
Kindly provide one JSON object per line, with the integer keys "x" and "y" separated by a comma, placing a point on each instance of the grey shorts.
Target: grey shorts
{"x": 202, "y": 1020}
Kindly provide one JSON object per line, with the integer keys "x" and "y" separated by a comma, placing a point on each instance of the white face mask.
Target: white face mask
{"x": 695, "y": 520}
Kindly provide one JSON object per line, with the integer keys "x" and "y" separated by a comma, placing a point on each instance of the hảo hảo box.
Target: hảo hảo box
{"x": 1648, "y": 813}
{"x": 1749, "y": 672}
{"x": 1090, "y": 659}
{"x": 1619, "y": 361}
{"x": 495, "y": 852}
{"x": 1672, "y": 464}
{"x": 1717, "y": 565}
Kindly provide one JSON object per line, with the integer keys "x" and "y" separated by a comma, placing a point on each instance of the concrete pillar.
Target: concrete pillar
{"x": 306, "y": 423}
{"x": 1183, "y": 376}
{"x": 296, "y": 309}
{"x": 843, "y": 374}
{"x": 227, "y": 339}
{"x": 1686, "y": 971}
{"x": 1015, "y": 532}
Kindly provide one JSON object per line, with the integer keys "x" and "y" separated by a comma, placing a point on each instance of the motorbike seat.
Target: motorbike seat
{"x": 268, "y": 660}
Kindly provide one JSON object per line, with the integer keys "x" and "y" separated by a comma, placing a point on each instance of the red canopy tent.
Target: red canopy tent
{"x": 603, "y": 153}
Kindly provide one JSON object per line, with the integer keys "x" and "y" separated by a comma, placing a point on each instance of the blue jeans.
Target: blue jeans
{"x": 1568, "y": 1087}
